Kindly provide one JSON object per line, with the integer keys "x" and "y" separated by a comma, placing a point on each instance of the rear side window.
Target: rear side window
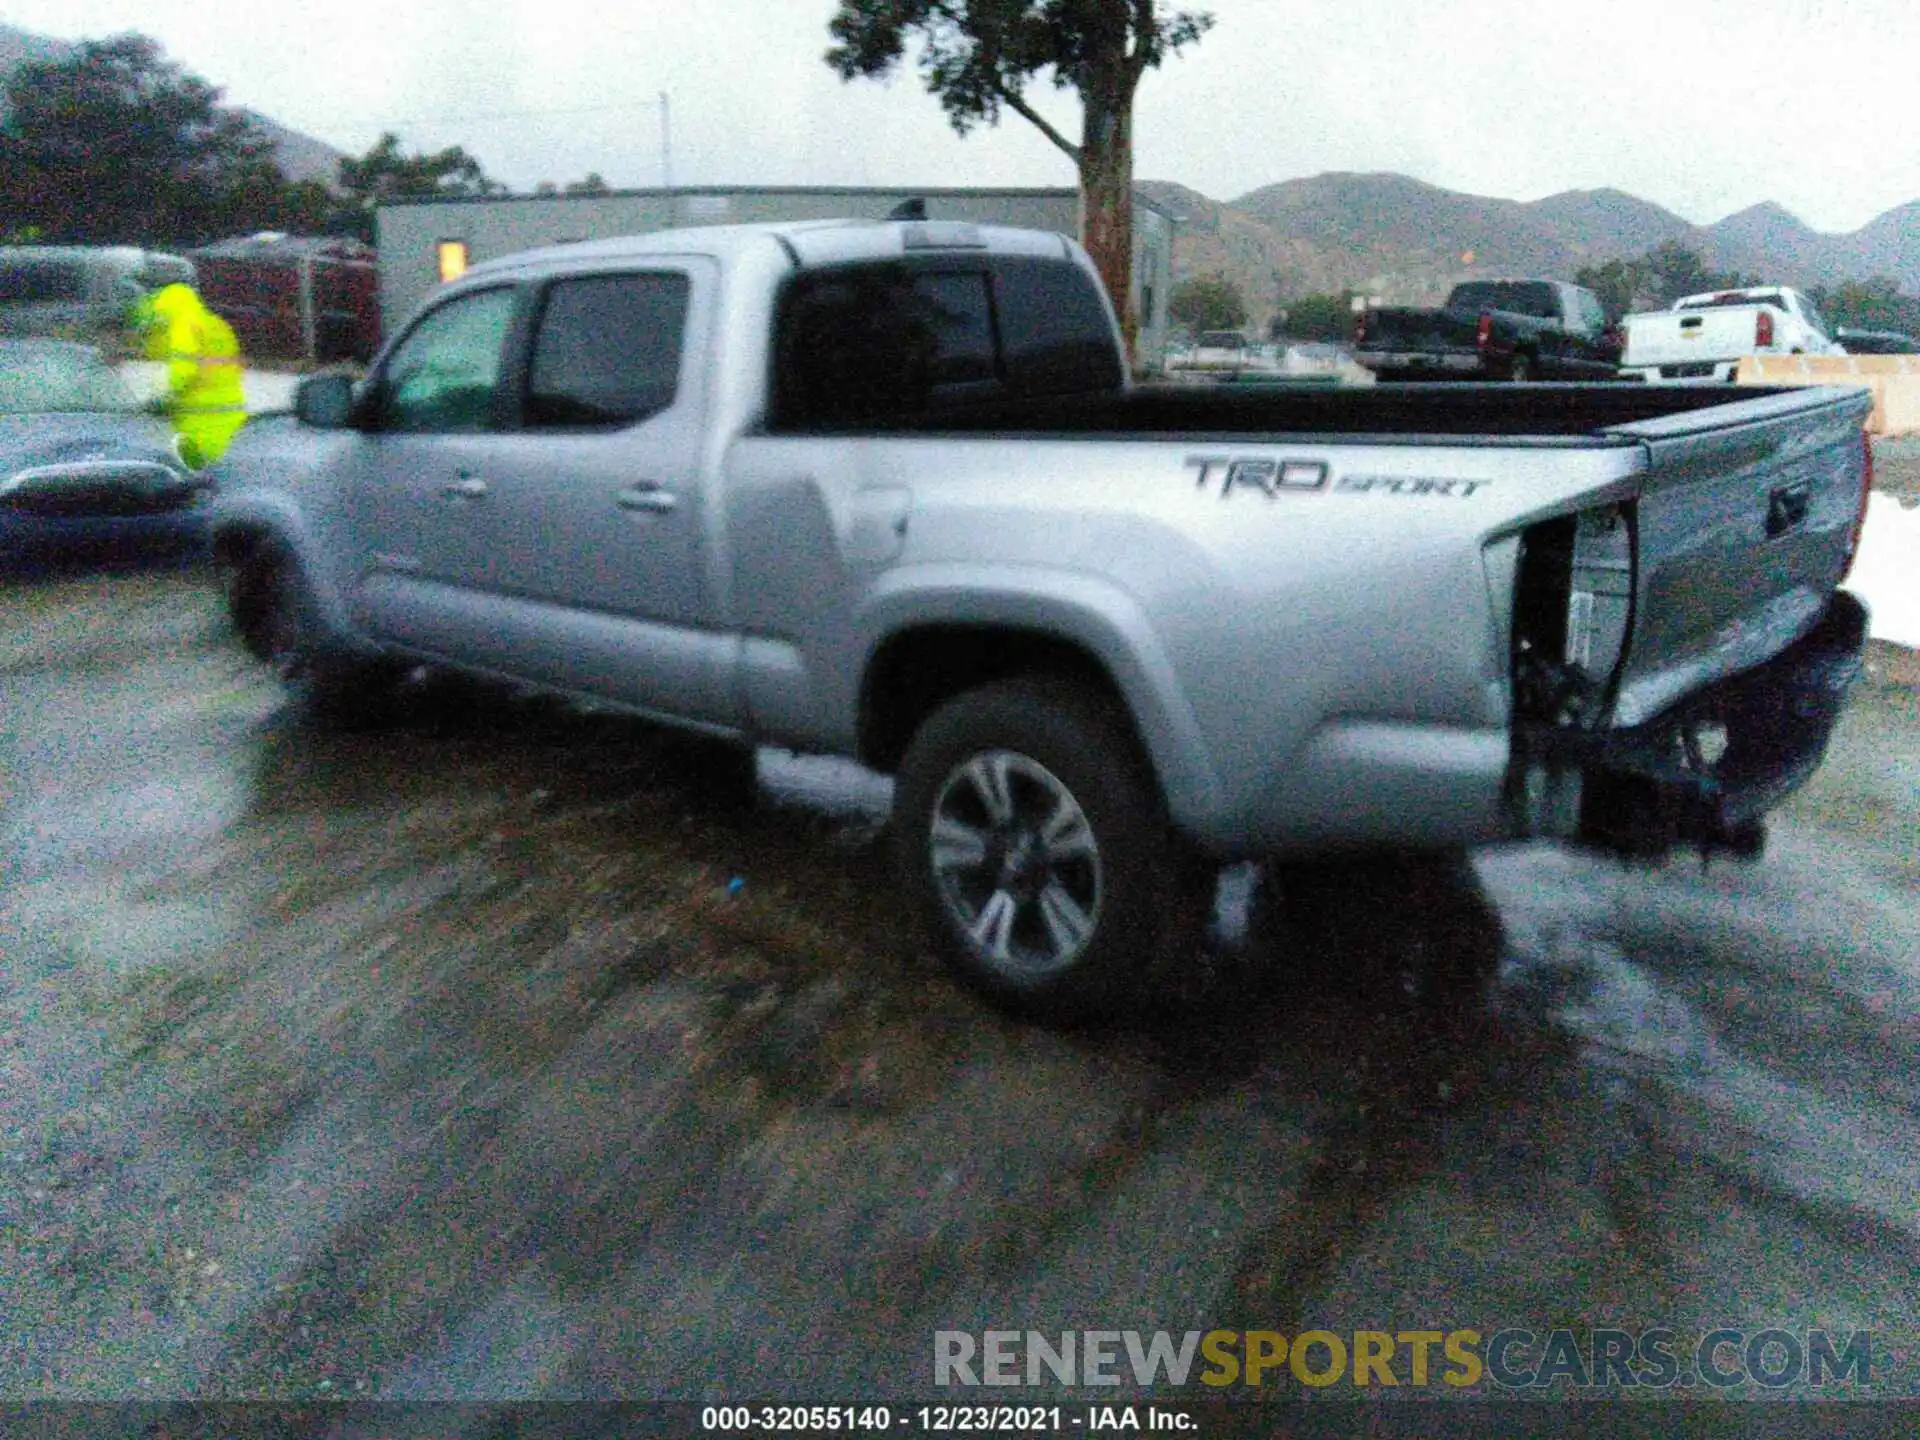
{"x": 864, "y": 343}
{"x": 1054, "y": 329}
{"x": 607, "y": 350}
{"x": 868, "y": 341}
{"x": 40, "y": 282}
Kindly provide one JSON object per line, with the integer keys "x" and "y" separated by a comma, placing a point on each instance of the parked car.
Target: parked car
{"x": 85, "y": 472}
{"x": 1704, "y": 337}
{"x": 1492, "y": 330}
{"x": 885, "y": 490}
{"x": 1876, "y": 342}
{"x": 79, "y": 292}
{"x": 1219, "y": 350}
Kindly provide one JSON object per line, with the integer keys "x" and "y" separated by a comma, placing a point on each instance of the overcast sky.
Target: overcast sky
{"x": 1704, "y": 106}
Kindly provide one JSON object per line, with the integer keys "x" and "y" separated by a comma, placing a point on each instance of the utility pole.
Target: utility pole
{"x": 666, "y": 157}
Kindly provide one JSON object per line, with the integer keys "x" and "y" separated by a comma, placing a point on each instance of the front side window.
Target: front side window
{"x": 607, "y": 350}
{"x": 444, "y": 375}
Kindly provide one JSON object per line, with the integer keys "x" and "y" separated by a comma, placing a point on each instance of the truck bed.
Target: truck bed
{"x": 1746, "y": 508}
{"x": 1458, "y": 414}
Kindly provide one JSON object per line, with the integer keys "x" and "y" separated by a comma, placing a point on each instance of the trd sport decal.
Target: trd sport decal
{"x": 1272, "y": 477}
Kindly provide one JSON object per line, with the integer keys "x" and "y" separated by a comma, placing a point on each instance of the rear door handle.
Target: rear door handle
{"x": 467, "y": 487}
{"x": 648, "y": 496}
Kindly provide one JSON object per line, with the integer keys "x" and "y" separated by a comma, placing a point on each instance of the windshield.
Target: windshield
{"x": 41, "y": 379}
{"x": 42, "y": 282}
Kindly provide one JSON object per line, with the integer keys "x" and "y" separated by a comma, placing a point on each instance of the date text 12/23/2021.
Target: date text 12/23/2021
{"x": 945, "y": 1419}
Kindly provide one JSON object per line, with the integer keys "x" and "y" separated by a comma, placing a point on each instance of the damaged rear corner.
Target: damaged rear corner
{"x": 1702, "y": 774}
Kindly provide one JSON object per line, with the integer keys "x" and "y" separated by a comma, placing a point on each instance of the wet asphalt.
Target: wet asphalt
{"x": 485, "y": 1057}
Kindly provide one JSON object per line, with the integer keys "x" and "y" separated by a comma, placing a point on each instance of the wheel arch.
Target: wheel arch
{"x": 931, "y": 645}
{"x": 242, "y": 534}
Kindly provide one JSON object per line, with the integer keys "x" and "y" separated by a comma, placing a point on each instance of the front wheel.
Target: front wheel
{"x": 1030, "y": 832}
{"x": 272, "y": 615}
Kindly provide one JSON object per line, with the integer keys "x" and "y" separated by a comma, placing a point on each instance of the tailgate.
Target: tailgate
{"x": 1416, "y": 330}
{"x": 1745, "y": 525}
{"x": 1692, "y": 335}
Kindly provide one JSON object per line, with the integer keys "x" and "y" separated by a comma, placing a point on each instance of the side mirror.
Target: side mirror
{"x": 100, "y": 487}
{"x": 325, "y": 402}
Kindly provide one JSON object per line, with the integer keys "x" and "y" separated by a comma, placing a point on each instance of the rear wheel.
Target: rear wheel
{"x": 1030, "y": 831}
{"x": 1520, "y": 368}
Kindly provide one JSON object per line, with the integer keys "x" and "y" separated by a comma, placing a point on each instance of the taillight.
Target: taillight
{"x": 1485, "y": 332}
{"x": 1360, "y": 328}
{"x": 1860, "y": 515}
{"x": 1763, "y": 328}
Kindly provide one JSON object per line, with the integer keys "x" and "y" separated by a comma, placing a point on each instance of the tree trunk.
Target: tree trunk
{"x": 1106, "y": 185}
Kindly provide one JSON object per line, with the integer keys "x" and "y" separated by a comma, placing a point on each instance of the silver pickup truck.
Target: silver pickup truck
{"x": 884, "y": 490}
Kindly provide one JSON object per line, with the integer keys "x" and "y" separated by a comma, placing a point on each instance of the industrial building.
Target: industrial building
{"x": 423, "y": 242}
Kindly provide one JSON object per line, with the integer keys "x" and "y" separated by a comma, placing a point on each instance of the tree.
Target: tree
{"x": 117, "y": 144}
{"x": 1872, "y": 304}
{"x": 979, "y": 56}
{"x": 1656, "y": 279}
{"x": 1618, "y": 283}
{"x": 592, "y": 185}
{"x": 383, "y": 175}
{"x": 1320, "y": 317}
{"x": 1207, "y": 302}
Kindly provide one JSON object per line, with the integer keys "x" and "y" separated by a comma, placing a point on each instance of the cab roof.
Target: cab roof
{"x": 807, "y": 243}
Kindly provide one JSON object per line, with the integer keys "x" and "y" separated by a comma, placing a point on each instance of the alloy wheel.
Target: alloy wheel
{"x": 1016, "y": 863}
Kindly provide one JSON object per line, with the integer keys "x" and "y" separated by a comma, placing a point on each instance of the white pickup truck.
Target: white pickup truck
{"x": 1704, "y": 337}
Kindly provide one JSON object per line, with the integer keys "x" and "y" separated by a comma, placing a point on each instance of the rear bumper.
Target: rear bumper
{"x": 1695, "y": 372}
{"x": 1647, "y": 790}
{"x": 1420, "y": 362}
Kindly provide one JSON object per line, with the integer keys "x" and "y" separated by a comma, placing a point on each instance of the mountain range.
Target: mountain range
{"x": 1408, "y": 242}
{"x": 301, "y": 157}
{"x": 1386, "y": 234}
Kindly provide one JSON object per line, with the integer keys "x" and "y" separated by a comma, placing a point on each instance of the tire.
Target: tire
{"x": 1520, "y": 368}
{"x": 1068, "y": 933}
{"x": 272, "y": 615}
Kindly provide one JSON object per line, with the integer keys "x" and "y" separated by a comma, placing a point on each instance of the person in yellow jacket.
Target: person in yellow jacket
{"x": 204, "y": 397}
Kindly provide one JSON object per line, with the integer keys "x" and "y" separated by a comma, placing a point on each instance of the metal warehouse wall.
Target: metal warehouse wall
{"x": 409, "y": 235}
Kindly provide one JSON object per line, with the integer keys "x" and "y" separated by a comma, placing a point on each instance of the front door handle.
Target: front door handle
{"x": 652, "y": 498}
{"x": 467, "y": 487}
